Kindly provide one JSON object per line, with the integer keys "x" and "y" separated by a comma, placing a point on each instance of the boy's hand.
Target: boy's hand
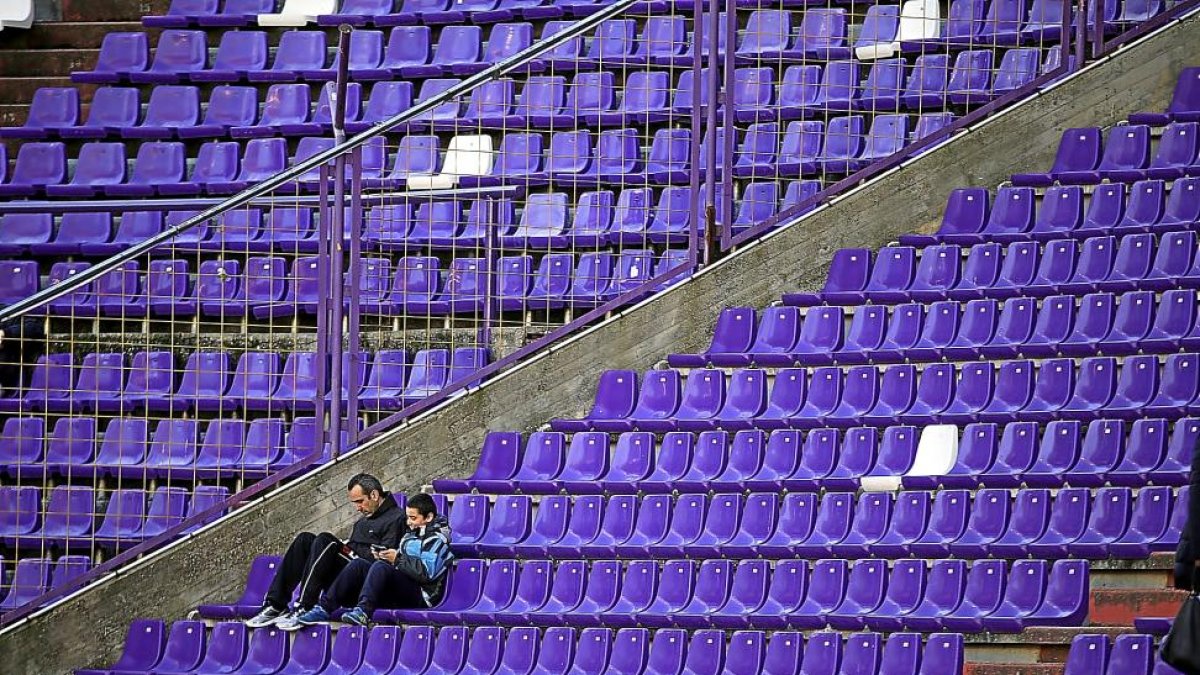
{"x": 388, "y": 555}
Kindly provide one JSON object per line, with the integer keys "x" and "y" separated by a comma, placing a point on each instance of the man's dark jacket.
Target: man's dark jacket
{"x": 1185, "y": 554}
{"x": 383, "y": 528}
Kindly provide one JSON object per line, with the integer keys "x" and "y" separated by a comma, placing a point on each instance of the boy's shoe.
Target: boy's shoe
{"x": 306, "y": 618}
{"x": 267, "y": 616}
{"x": 357, "y": 616}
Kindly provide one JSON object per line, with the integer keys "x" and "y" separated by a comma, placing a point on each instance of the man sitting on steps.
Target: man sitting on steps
{"x": 409, "y": 576}
{"x": 315, "y": 561}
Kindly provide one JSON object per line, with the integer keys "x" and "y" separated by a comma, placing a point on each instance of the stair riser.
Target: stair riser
{"x": 111, "y": 10}
{"x": 21, "y": 89}
{"x": 69, "y": 35}
{"x": 1121, "y": 607}
{"x": 46, "y": 62}
{"x": 1013, "y": 669}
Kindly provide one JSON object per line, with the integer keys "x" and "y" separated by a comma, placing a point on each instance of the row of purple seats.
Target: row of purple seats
{"x": 844, "y": 145}
{"x": 553, "y": 651}
{"x": 1103, "y": 323}
{"x": 261, "y": 381}
{"x": 933, "y": 81}
{"x": 988, "y": 456}
{"x": 234, "y": 13}
{"x": 1058, "y": 388}
{"x": 635, "y": 216}
{"x": 1147, "y": 206}
{"x": 1124, "y": 655}
{"x": 461, "y": 49}
{"x": 593, "y": 99}
{"x": 70, "y": 516}
{"x": 302, "y": 55}
{"x": 794, "y": 595}
{"x": 613, "y": 156}
{"x": 175, "y": 111}
{"x": 1005, "y": 22}
{"x": 709, "y": 461}
{"x": 176, "y": 449}
{"x": 405, "y": 52}
{"x": 211, "y": 13}
{"x": 936, "y": 524}
{"x": 101, "y": 234}
{"x": 417, "y": 286}
{"x": 902, "y": 274}
{"x": 994, "y": 457}
{"x": 616, "y": 156}
{"x": 288, "y": 229}
{"x": 1126, "y": 156}
{"x": 160, "y": 167}
{"x": 230, "y": 648}
{"x": 34, "y": 577}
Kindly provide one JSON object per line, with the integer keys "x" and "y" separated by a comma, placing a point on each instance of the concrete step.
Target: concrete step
{"x": 21, "y": 89}
{"x": 1119, "y": 607}
{"x": 69, "y": 34}
{"x": 1013, "y": 669}
{"x": 46, "y": 62}
{"x": 111, "y": 10}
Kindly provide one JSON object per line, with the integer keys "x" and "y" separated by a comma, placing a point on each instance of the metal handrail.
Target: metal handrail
{"x": 253, "y": 192}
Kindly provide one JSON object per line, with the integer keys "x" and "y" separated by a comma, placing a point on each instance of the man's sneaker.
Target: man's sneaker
{"x": 357, "y": 616}
{"x": 307, "y": 618}
{"x": 267, "y": 616}
{"x": 290, "y": 621}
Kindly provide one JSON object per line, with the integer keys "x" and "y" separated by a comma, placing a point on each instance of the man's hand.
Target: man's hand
{"x": 388, "y": 556}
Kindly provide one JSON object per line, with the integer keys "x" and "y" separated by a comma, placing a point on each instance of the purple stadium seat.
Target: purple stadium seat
{"x": 143, "y": 647}
{"x": 285, "y": 108}
{"x": 170, "y": 108}
{"x": 821, "y": 35}
{"x": 298, "y": 51}
{"x": 927, "y": 83}
{"x": 25, "y": 232}
{"x": 1147, "y": 524}
{"x": 70, "y": 447}
{"x": 1184, "y": 105}
{"x": 75, "y": 231}
{"x": 849, "y": 273}
{"x": 120, "y": 54}
{"x": 19, "y": 510}
{"x": 510, "y": 522}
{"x": 790, "y": 468}
{"x": 1079, "y": 153}
{"x": 177, "y": 54}
{"x": 49, "y": 387}
{"x": 68, "y": 517}
{"x": 238, "y": 54}
{"x": 1108, "y": 522}
{"x": 98, "y": 166}
{"x": 123, "y": 519}
{"x": 1176, "y": 149}
{"x": 156, "y": 163}
{"x": 52, "y": 109}
{"x": 947, "y": 522}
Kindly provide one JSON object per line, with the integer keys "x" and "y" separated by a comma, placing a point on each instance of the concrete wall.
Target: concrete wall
{"x": 562, "y": 381}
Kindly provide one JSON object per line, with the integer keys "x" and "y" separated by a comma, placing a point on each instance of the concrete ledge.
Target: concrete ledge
{"x": 561, "y": 382}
